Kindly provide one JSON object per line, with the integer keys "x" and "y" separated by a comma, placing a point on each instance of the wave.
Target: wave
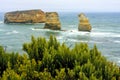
{"x": 1, "y": 22}
{"x": 116, "y": 35}
{"x": 72, "y": 26}
{"x": 104, "y": 34}
{"x": 76, "y": 32}
{"x": 117, "y": 41}
{"x": 119, "y": 61}
{"x": 76, "y": 40}
{"x": 60, "y": 37}
{"x": 40, "y": 29}
{"x": 36, "y": 29}
{"x": 71, "y": 32}
{"x": 99, "y": 34}
{"x": 12, "y": 32}
{"x": 2, "y": 30}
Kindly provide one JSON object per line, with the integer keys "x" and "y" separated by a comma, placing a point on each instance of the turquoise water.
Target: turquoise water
{"x": 105, "y": 33}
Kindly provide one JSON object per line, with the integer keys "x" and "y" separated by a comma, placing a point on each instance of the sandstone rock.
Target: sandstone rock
{"x": 27, "y": 16}
{"x": 52, "y": 21}
{"x": 84, "y": 24}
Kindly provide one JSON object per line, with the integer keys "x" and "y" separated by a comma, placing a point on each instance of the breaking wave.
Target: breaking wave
{"x": 12, "y": 32}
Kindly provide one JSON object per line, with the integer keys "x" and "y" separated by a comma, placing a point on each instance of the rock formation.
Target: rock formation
{"x": 27, "y": 16}
{"x": 52, "y": 21}
{"x": 84, "y": 24}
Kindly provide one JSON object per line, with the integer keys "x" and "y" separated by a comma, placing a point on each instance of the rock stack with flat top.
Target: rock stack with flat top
{"x": 27, "y": 16}
{"x": 84, "y": 24}
{"x": 52, "y": 21}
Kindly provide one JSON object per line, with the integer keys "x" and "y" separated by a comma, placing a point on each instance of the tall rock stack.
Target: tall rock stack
{"x": 52, "y": 21}
{"x": 27, "y": 16}
{"x": 84, "y": 24}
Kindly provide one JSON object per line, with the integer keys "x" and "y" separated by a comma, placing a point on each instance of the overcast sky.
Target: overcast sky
{"x": 61, "y": 5}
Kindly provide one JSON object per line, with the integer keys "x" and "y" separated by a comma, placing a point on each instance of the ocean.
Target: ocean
{"x": 105, "y": 33}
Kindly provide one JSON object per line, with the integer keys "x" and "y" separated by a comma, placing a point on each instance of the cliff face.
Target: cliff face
{"x": 84, "y": 24}
{"x": 28, "y": 16}
{"x": 52, "y": 21}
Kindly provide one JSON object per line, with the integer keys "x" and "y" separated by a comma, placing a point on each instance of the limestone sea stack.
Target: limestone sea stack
{"x": 52, "y": 21}
{"x": 84, "y": 24}
{"x": 27, "y": 16}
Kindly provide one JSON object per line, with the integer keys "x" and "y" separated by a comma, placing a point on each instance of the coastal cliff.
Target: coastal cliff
{"x": 84, "y": 24}
{"x": 27, "y": 16}
{"x": 52, "y": 21}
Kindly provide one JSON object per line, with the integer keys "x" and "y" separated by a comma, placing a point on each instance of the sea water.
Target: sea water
{"x": 105, "y": 33}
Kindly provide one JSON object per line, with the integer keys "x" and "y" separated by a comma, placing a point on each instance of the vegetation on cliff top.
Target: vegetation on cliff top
{"x": 50, "y": 60}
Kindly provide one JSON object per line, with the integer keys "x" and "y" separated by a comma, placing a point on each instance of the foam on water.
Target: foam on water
{"x": 75, "y": 40}
{"x": 36, "y": 29}
{"x": 60, "y": 37}
{"x": 104, "y": 34}
{"x": 12, "y": 32}
{"x": 119, "y": 61}
{"x": 40, "y": 29}
{"x": 116, "y": 35}
{"x": 1, "y": 22}
{"x": 117, "y": 41}
{"x": 95, "y": 42}
{"x": 72, "y": 26}
{"x": 76, "y": 32}
{"x": 2, "y": 30}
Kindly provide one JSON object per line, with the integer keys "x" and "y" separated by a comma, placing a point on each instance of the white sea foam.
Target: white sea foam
{"x": 99, "y": 34}
{"x": 119, "y": 61}
{"x": 2, "y": 30}
{"x": 74, "y": 32}
{"x": 84, "y": 41}
{"x": 1, "y": 22}
{"x": 60, "y": 37}
{"x": 104, "y": 34}
{"x": 39, "y": 29}
{"x": 84, "y": 33}
{"x": 72, "y": 25}
{"x": 92, "y": 41}
{"x": 116, "y": 35}
{"x": 75, "y": 40}
{"x": 12, "y": 32}
{"x": 117, "y": 41}
{"x": 35, "y": 29}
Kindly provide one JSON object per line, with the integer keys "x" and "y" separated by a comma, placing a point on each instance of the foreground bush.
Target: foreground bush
{"x": 50, "y": 60}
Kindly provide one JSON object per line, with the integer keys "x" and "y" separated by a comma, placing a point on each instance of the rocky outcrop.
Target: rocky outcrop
{"x": 27, "y": 16}
{"x": 84, "y": 24}
{"x": 52, "y": 21}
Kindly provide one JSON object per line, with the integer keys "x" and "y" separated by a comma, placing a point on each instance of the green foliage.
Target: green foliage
{"x": 50, "y": 60}
{"x": 10, "y": 74}
{"x": 3, "y": 60}
{"x": 36, "y": 48}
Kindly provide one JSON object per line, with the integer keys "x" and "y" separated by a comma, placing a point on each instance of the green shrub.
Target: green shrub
{"x": 50, "y": 60}
{"x": 3, "y": 60}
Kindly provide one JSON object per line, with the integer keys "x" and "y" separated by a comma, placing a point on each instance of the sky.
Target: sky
{"x": 61, "y": 5}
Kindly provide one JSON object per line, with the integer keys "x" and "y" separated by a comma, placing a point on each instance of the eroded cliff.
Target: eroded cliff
{"x": 27, "y": 16}
{"x": 84, "y": 24}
